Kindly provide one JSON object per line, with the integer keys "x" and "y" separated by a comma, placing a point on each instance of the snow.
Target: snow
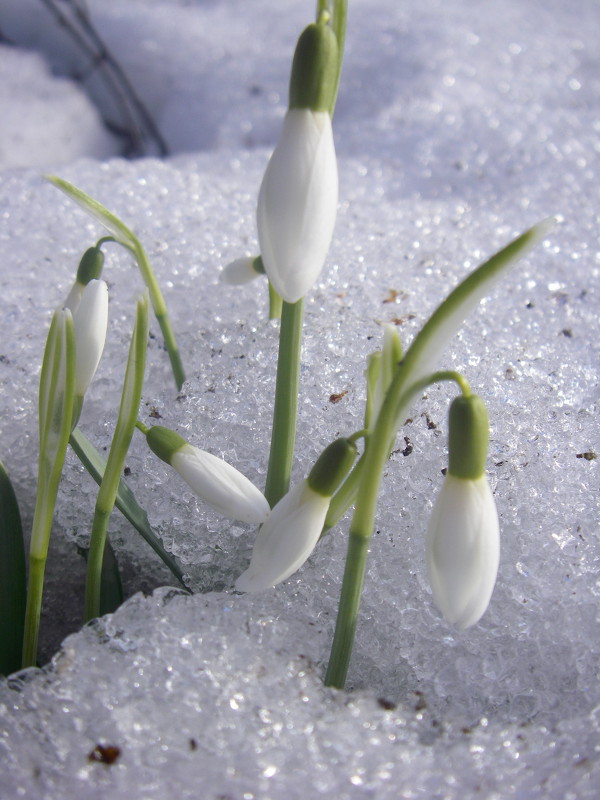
{"x": 458, "y": 125}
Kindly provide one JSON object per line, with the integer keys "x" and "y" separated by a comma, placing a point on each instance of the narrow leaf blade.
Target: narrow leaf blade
{"x": 447, "y": 319}
{"x": 12, "y": 578}
{"x": 112, "y": 223}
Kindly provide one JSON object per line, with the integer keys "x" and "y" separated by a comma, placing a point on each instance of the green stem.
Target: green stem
{"x": 93, "y": 582}
{"x": 343, "y": 639}
{"x": 286, "y": 400}
{"x": 105, "y": 240}
{"x": 275, "y": 303}
{"x": 32, "y": 610}
{"x": 124, "y": 501}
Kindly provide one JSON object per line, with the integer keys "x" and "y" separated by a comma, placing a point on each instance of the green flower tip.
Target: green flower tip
{"x": 468, "y": 437}
{"x": 164, "y": 442}
{"x": 314, "y": 69}
{"x": 90, "y": 266}
{"x": 332, "y": 466}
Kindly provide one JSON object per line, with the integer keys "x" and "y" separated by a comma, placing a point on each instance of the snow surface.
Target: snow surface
{"x": 458, "y": 125}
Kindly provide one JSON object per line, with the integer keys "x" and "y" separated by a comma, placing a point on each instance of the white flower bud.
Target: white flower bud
{"x": 240, "y": 271}
{"x": 286, "y": 539}
{"x": 297, "y": 203}
{"x": 463, "y": 549}
{"x": 215, "y": 481}
{"x": 90, "y": 321}
{"x": 294, "y": 526}
{"x": 220, "y": 485}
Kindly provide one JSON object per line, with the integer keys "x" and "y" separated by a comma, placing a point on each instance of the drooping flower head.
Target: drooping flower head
{"x": 214, "y": 480}
{"x": 298, "y": 197}
{"x": 463, "y": 540}
{"x": 294, "y": 526}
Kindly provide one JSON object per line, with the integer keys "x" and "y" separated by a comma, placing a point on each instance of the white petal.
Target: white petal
{"x": 239, "y": 271}
{"x": 74, "y": 297}
{"x": 220, "y": 485}
{"x": 89, "y": 320}
{"x": 286, "y": 539}
{"x": 463, "y": 548}
{"x": 297, "y": 203}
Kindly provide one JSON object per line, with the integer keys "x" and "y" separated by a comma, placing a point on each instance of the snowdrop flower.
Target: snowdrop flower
{"x": 242, "y": 270}
{"x": 214, "y": 480}
{"x": 89, "y": 322}
{"x": 90, "y": 268}
{"x": 294, "y": 526}
{"x": 297, "y": 202}
{"x": 463, "y": 541}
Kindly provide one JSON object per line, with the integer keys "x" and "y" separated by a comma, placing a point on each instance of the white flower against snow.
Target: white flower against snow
{"x": 286, "y": 539}
{"x": 242, "y": 270}
{"x": 297, "y": 203}
{"x": 463, "y": 548}
{"x": 463, "y": 538}
{"x": 294, "y": 526}
{"x": 89, "y": 321}
{"x": 214, "y": 480}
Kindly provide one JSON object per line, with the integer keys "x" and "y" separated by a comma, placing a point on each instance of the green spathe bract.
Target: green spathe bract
{"x": 332, "y": 466}
{"x": 313, "y": 82}
{"x": 468, "y": 434}
{"x": 90, "y": 266}
{"x": 164, "y": 442}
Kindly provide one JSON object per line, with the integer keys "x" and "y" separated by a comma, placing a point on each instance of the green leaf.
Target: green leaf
{"x": 124, "y": 501}
{"x": 12, "y": 578}
{"x": 446, "y": 320}
{"x": 112, "y": 223}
